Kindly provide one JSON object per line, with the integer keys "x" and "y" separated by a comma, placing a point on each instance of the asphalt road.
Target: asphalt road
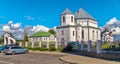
{"x": 31, "y": 58}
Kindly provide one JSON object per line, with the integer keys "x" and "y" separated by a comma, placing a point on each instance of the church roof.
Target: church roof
{"x": 83, "y": 14}
{"x": 66, "y": 11}
{"x": 41, "y": 34}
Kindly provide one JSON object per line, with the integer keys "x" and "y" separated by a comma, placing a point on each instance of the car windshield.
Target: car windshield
{"x": 7, "y": 47}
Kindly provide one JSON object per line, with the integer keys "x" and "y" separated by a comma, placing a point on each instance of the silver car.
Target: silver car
{"x": 14, "y": 50}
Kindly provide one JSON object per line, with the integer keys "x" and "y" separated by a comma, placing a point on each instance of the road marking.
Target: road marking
{"x": 6, "y": 62}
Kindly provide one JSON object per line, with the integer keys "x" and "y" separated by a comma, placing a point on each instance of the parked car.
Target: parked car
{"x": 15, "y": 50}
{"x": 4, "y": 47}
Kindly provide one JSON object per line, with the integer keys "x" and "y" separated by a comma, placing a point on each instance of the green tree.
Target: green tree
{"x": 52, "y": 31}
{"x": 1, "y": 40}
{"x": 25, "y": 37}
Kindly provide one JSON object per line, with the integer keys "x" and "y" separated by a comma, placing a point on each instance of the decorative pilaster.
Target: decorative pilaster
{"x": 47, "y": 44}
{"x": 32, "y": 44}
{"x": 40, "y": 44}
{"x": 26, "y": 44}
{"x": 20, "y": 44}
{"x": 56, "y": 45}
{"x": 99, "y": 49}
{"x": 89, "y": 45}
{"x": 82, "y": 45}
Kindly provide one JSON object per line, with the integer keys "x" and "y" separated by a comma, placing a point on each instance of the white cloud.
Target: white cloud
{"x": 18, "y": 31}
{"x": 6, "y": 28}
{"x": 29, "y": 18}
{"x": 21, "y": 30}
{"x": 116, "y": 30}
{"x": 39, "y": 28}
{"x": 10, "y": 22}
{"x": 112, "y": 20}
{"x": 17, "y": 25}
{"x": 14, "y": 25}
{"x": 113, "y": 25}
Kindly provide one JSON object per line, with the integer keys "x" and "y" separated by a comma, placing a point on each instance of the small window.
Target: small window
{"x": 63, "y": 18}
{"x": 73, "y": 33}
{"x": 82, "y": 34}
{"x": 62, "y": 32}
{"x": 97, "y": 34}
{"x": 93, "y": 35}
{"x": 71, "y": 18}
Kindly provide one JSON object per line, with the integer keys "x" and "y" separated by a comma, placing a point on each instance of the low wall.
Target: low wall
{"x": 107, "y": 56}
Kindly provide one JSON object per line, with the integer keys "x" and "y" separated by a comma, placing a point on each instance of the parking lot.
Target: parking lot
{"x": 30, "y": 58}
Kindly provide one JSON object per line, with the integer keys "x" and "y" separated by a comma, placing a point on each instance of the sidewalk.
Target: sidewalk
{"x": 77, "y": 59}
{"x": 3, "y": 62}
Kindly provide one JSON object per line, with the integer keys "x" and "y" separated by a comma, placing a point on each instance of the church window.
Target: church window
{"x": 73, "y": 33}
{"x": 71, "y": 18}
{"x": 97, "y": 34}
{"x": 63, "y": 18}
{"x": 93, "y": 34}
{"x": 82, "y": 34}
{"x": 62, "y": 32}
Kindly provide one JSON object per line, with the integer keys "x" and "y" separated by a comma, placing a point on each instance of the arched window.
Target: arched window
{"x": 62, "y": 32}
{"x": 97, "y": 34}
{"x": 73, "y": 33}
{"x": 63, "y": 18}
{"x": 82, "y": 34}
{"x": 93, "y": 34}
{"x": 71, "y": 18}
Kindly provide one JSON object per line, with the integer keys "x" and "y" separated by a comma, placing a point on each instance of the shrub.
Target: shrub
{"x": 43, "y": 49}
{"x": 94, "y": 46}
{"x": 69, "y": 47}
{"x": 106, "y": 46}
{"x": 60, "y": 49}
{"x": 51, "y": 49}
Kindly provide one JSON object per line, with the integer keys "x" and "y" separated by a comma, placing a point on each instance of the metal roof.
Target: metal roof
{"x": 66, "y": 11}
{"x": 83, "y": 14}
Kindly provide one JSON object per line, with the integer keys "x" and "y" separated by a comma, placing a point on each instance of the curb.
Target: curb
{"x": 6, "y": 62}
{"x": 67, "y": 61}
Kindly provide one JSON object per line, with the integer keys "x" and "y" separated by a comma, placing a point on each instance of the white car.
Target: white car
{"x": 15, "y": 50}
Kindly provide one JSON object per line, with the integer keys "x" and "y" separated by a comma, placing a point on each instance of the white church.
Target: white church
{"x": 77, "y": 27}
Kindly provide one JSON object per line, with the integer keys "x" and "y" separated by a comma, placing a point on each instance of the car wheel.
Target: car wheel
{"x": 13, "y": 53}
{"x": 0, "y": 51}
{"x": 26, "y": 51}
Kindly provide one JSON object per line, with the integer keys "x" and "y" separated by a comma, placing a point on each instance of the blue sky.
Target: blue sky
{"x": 47, "y": 12}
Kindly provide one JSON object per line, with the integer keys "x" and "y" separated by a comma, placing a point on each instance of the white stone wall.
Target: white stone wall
{"x": 93, "y": 23}
{"x": 79, "y": 34}
{"x": 96, "y": 36}
{"x": 51, "y": 38}
{"x": 66, "y": 35}
{"x": 82, "y": 22}
{"x": 85, "y": 34}
{"x": 67, "y": 20}
{"x": 72, "y": 38}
